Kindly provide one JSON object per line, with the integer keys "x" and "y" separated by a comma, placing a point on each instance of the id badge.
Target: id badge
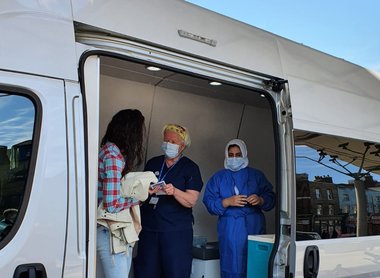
{"x": 153, "y": 200}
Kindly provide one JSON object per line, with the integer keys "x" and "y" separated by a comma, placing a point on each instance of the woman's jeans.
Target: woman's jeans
{"x": 114, "y": 265}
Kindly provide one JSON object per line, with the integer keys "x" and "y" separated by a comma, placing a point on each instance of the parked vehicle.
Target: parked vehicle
{"x": 67, "y": 66}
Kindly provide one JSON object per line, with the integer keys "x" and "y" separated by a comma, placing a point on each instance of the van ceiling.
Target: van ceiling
{"x": 137, "y": 72}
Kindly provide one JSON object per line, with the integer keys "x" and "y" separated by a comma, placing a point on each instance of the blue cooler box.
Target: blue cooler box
{"x": 259, "y": 249}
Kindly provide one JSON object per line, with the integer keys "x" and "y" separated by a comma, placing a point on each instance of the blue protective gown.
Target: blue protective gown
{"x": 236, "y": 223}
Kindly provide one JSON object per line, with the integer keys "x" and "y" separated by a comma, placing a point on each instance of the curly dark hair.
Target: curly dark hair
{"x": 126, "y": 130}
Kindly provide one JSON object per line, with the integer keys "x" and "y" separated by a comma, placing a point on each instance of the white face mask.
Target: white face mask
{"x": 170, "y": 150}
{"x": 235, "y": 163}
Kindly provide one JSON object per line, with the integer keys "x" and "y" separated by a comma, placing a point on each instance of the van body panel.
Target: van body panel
{"x": 232, "y": 36}
{"x": 325, "y": 117}
{"x": 76, "y": 253}
{"x": 318, "y": 82}
{"x": 81, "y": 58}
{"x": 349, "y": 257}
{"x": 45, "y": 49}
{"x": 41, "y": 237}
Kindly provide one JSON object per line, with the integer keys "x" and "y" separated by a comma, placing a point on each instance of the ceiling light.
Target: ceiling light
{"x": 215, "y": 83}
{"x": 153, "y": 68}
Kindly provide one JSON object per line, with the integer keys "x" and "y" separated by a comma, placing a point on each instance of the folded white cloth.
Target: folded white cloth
{"x": 124, "y": 227}
{"x": 136, "y": 184}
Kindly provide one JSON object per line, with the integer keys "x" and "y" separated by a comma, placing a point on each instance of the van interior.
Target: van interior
{"x": 213, "y": 114}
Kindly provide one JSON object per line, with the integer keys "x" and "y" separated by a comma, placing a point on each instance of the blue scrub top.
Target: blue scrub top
{"x": 248, "y": 181}
{"x": 169, "y": 214}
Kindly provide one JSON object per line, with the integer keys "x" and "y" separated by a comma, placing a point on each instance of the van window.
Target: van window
{"x": 334, "y": 177}
{"x": 17, "y": 118}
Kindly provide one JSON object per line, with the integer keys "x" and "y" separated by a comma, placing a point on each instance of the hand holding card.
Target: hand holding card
{"x": 159, "y": 185}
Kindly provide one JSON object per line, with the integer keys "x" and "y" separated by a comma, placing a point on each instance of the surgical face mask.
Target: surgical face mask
{"x": 235, "y": 163}
{"x": 170, "y": 150}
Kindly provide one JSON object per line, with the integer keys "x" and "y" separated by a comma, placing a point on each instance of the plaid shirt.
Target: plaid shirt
{"x": 110, "y": 166}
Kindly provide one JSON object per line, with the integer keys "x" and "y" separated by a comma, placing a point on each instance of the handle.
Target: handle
{"x": 36, "y": 270}
{"x": 311, "y": 262}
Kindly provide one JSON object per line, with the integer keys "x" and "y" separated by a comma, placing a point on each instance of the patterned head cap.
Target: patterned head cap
{"x": 180, "y": 130}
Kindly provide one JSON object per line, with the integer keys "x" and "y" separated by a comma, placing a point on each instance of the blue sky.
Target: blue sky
{"x": 304, "y": 165}
{"x": 347, "y": 29}
{"x": 16, "y": 123}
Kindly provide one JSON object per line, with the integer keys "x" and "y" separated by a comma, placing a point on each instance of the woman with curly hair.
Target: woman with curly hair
{"x": 121, "y": 151}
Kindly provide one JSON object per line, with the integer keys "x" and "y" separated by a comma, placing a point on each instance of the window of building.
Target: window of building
{"x": 377, "y": 199}
{"x": 317, "y": 193}
{"x": 17, "y": 117}
{"x": 346, "y": 209}
{"x": 319, "y": 209}
{"x": 376, "y": 208}
{"x": 329, "y": 194}
{"x": 331, "y": 210}
{"x": 346, "y": 197}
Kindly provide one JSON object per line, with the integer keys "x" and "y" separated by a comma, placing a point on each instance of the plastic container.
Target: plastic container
{"x": 199, "y": 241}
{"x": 205, "y": 269}
{"x": 259, "y": 249}
{"x": 210, "y": 251}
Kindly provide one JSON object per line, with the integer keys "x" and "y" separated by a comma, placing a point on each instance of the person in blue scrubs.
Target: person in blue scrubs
{"x": 165, "y": 242}
{"x": 237, "y": 195}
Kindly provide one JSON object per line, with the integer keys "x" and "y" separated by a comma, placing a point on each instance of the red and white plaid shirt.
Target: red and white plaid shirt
{"x": 110, "y": 166}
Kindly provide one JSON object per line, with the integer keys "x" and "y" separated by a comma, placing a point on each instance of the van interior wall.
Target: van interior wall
{"x": 212, "y": 123}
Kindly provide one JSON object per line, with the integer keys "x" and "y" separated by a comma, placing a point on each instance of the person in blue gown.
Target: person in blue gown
{"x": 165, "y": 242}
{"x": 237, "y": 195}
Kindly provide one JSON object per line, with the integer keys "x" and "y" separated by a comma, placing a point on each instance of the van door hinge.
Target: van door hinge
{"x": 276, "y": 85}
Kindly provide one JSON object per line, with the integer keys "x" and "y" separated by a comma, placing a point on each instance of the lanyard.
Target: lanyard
{"x": 162, "y": 168}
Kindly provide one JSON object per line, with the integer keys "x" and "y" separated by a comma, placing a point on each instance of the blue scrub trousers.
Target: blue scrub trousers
{"x": 164, "y": 254}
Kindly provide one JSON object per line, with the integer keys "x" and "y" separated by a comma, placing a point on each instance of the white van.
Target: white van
{"x": 67, "y": 66}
